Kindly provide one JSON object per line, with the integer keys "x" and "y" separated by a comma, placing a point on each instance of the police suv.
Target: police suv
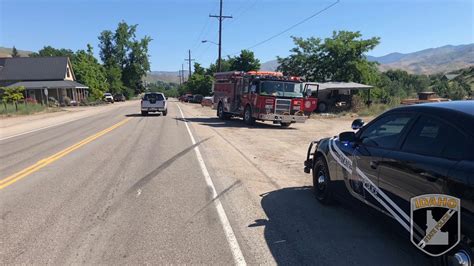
{"x": 413, "y": 163}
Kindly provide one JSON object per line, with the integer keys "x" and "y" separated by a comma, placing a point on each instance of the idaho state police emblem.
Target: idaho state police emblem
{"x": 435, "y": 223}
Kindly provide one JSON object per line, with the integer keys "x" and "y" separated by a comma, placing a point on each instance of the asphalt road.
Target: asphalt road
{"x": 134, "y": 194}
{"x": 117, "y": 187}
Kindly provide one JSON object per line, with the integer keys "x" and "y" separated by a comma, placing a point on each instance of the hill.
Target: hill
{"x": 269, "y": 65}
{"x": 166, "y": 76}
{"x": 429, "y": 61}
{"x": 6, "y": 52}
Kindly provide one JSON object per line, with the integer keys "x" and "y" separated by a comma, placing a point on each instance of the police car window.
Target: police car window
{"x": 385, "y": 132}
{"x": 433, "y": 137}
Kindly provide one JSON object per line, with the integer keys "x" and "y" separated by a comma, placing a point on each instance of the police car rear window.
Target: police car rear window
{"x": 432, "y": 137}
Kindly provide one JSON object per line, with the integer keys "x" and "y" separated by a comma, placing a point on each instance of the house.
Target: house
{"x": 40, "y": 74}
{"x": 449, "y": 77}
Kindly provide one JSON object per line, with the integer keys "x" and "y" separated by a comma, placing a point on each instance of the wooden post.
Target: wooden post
{"x": 41, "y": 94}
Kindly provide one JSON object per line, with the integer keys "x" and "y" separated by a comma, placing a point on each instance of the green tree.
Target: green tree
{"x": 15, "y": 52}
{"x": 225, "y": 66}
{"x": 199, "y": 84}
{"x": 455, "y": 91}
{"x": 198, "y": 69}
{"x": 50, "y": 51}
{"x": 339, "y": 58}
{"x": 89, "y": 72}
{"x": 137, "y": 65}
{"x": 125, "y": 58}
{"x": 246, "y": 61}
{"x": 13, "y": 95}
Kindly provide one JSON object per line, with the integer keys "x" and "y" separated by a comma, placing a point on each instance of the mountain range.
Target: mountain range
{"x": 429, "y": 61}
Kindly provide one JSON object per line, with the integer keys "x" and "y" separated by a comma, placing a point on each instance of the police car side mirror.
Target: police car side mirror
{"x": 348, "y": 136}
{"x": 358, "y": 123}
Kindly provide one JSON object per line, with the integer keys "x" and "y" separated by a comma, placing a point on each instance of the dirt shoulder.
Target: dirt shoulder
{"x": 11, "y": 126}
{"x": 258, "y": 172}
{"x": 280, "y": 152}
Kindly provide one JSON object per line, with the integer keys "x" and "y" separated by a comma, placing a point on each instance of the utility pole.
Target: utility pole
{"x": 220, "y": 18}
{"x": 182, "y": 72}
{"x": 179, "y": 75}
{"x": 189, "y": 61}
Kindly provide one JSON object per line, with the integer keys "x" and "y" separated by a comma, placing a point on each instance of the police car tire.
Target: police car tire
{"x": 462, "y": 246}
{"x": 322, "y": 194}
{"x": 285, "y": 125}
{"x": 165, "y": 112}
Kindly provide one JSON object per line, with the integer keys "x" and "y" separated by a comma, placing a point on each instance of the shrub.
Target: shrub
{"x": 67, "y": 101}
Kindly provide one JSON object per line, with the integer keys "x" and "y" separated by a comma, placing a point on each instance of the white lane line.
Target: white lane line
{"x": 38, "y": 129}
{"x": 229, "y": 233}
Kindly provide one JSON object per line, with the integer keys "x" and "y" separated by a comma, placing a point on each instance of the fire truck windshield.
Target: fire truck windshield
{"x": 281, "y": 88}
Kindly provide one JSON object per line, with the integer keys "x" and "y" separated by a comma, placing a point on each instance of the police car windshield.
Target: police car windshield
{"x": 279, "y": 88}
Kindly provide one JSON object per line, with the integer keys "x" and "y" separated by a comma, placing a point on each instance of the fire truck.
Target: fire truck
{"x": 264, "y": 96}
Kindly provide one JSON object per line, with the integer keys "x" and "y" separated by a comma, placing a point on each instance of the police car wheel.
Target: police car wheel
{"x": 462, "y": 255}
{"x": 285, "y": 125}
{"x": 322, "y": 182}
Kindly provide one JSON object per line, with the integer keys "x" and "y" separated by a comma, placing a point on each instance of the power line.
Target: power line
{"x": 243, "y": 11}
{"x": 204, "y": 31}
{"x": 291, "y": 27}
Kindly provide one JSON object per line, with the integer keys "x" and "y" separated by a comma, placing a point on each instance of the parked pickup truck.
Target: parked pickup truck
{"x": 154, "y": 102}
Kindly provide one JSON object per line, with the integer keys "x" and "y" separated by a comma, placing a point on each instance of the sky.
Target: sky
{"x": 176, "y": 26}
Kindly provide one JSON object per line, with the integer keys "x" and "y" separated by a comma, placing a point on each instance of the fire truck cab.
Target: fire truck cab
{"x": 264, "y": 96}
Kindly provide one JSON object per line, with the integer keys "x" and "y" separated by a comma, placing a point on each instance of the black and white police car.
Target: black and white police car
{"x": 425, "y": 149}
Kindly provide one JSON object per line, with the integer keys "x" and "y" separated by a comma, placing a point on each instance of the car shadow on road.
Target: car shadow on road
{"x": 300, "y": 230}
{"x": 140, "y": 115}
{"x": 236, "y": 123}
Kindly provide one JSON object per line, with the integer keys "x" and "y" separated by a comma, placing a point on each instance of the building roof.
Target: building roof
{"x": 451, "y": 76}
{"x": 50, "y": 84}
{"x": 33, "y": 68}
{"x": 340, "y": 85}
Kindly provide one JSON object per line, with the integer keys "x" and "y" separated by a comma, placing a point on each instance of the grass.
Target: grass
{"x": 24, "y": 109}
{"x": 375, "y": 109}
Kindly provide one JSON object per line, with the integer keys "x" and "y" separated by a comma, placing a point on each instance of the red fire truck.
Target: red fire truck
{"x": 265, "y": 96}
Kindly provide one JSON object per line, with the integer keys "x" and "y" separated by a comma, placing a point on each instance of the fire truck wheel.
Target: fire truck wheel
{"x": 248, "y": 119}
{"x": 285, "y": 125}
{"x": 322, "y": 182}
{"x": 220, "y": 112}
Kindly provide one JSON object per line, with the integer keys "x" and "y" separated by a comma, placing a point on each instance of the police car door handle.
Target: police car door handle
{"x": 374, "y": 164}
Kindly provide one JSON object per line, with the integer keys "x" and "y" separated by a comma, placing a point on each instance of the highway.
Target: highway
{"x": 129, "y": 195}
{"x": 117, "y": 187}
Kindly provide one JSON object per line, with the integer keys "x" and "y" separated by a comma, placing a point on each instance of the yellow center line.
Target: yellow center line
{"x": 5, "y": 182}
